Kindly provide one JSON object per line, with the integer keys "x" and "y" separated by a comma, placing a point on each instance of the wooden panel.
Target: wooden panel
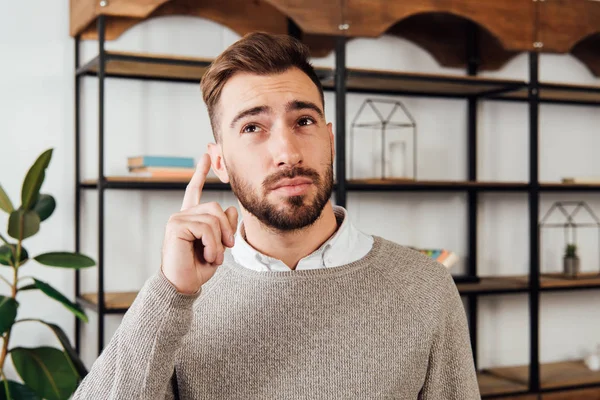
{"x": 588, "y": 52}
{"x": 239, "y": 15}
{"x": 425, "y": 30}
{"x": 113, "y": 300}
{"x": 129, "y": 8}
{"x": 564, "y": 23}
{"x": 81, "y": 15}
{"x": 313, "y": 16}
{"x": 509, "y": 20}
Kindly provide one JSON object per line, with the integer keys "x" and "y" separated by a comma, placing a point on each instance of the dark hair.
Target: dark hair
{"x": 259, "y": 53}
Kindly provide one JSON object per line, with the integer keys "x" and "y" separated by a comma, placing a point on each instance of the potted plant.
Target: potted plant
{"x": 571, "y": 261}
{"x": 47, "y": 372}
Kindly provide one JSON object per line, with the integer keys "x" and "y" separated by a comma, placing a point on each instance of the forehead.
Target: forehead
{"x": 244, "y": 90}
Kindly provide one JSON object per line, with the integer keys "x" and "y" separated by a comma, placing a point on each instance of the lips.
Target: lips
{"x": 292, "y": 182}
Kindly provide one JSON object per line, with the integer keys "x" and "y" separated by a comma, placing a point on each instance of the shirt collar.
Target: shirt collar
{"x": 331, "y": 253}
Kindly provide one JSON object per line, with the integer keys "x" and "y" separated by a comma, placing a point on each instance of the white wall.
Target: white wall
{"x": 37, "y": 103}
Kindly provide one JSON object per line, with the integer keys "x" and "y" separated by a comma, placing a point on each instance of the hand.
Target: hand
{"x": 196, "y": 237}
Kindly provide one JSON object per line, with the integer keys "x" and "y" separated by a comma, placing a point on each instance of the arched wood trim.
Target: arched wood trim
{"x": 510, "y": 21}
{"x": 588, "y": 52}
{"x": 240, "y": 16}
{"x": 84, "y": 13}
{"x": 426, "y": 29}
{"x": 565, "y": 23}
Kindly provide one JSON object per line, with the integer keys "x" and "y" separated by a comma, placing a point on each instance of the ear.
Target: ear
{"x": 332, "y": 139}
{"x": 218, "y": 162}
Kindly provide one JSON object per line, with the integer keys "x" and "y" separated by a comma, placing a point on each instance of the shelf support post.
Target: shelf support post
{"x": 472, "y": 195}
{"x": 101, "y": 179}
{"x": 77, "y": 188}
{"x": 340, "y": 120}
{"x": 534, "y": 245}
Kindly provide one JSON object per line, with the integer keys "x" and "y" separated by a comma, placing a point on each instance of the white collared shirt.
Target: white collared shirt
{"x": 346, "y": 245}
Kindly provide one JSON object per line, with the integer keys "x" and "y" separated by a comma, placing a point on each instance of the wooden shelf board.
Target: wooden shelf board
{"x": 560, "y": 93}
{"x": 360, "y": 79}
{"x": 490, "y": 384}
{"x": 553, "y": 375}
{"x": 166, "y": 66}
{"x": 151, "y": 65}
{"x": 408, "y": 181}
{"x": 557, "y": 280}
{"x": 160, "y": 66}
{"x": 112, "y": 300}
{"x": 127, "y": 182}
{"x": 495, "y": 284}
{"x": 386, "y": 184}
{"x": 559, "y": 186}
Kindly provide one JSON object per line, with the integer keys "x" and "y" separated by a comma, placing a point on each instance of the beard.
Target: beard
{"x": 295, "y": 213}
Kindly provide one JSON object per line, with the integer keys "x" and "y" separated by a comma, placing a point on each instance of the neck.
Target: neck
{"x": 289, "y": 247}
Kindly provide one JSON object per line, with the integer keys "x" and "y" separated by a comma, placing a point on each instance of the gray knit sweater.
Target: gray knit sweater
{"x": 390, "y": 325}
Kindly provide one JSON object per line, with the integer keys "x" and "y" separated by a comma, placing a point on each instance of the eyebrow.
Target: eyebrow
{"x": 250, "y": 112}
{"x": 303, "y": 105}
{"x": 293, "y": 105}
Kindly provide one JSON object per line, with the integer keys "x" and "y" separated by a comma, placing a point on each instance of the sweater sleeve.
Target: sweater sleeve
{"x": 139, "y": 360}
{"x": 451, "y": 371}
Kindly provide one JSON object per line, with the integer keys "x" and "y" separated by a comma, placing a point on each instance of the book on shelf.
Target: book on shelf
{"x": 445, "y": 257}
{"x": 160, "y": 161}
{"x": 149, "y": 173}
{"x": 161, "y": 167}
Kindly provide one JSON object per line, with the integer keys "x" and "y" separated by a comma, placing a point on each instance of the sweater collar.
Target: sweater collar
{"x": 347, "y": 244}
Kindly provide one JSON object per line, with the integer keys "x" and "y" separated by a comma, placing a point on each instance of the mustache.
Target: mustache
{"x": 291, "y": 173}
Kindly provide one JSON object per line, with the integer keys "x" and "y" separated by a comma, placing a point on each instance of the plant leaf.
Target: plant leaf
{"x": 56, "y": 295}
{"x": 18, "y": 391}
{"x": 31, "y": 286}
{"x": 45, "y": 206}
{"x": 69, "y": 350}
{"x": 31, "y": 224}
{"x": 34, "y": 179}
{"x": 5, "y": 202}
{"x": 65, "y": 260}
{"x": 8, "y": 313}
{"x": 46, "y": 371}
{"x": 7, "y": 256}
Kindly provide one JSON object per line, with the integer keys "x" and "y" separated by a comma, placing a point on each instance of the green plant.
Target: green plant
{"x": 47, "y": 372}
{"x": 571, "y": 251}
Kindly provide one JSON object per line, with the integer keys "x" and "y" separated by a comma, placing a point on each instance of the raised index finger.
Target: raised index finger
{"x": 193, "y": 190}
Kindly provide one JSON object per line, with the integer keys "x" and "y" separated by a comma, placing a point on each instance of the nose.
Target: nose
{"x": 285, "y": 147}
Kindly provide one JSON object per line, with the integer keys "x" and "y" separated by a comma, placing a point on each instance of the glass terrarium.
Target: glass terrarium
{"x": 383, "y": 142}
{"x": 570, "y": 217}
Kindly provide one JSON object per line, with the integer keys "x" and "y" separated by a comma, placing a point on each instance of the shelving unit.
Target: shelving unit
{"x": 524, "y": 381}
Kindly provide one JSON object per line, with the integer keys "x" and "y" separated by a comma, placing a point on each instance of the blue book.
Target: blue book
{"x": 160, "y": 161}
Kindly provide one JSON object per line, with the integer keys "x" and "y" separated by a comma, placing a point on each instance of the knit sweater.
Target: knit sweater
{"x": 390, "y": 325}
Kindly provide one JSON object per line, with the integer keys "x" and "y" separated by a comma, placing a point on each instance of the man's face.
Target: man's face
{"x": 277, "y": 147}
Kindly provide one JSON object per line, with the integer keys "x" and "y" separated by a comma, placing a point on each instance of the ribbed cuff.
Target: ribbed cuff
{"x": 163, "y": 290}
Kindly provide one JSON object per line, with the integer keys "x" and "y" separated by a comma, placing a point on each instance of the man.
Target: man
{"x": 304, "y": 305}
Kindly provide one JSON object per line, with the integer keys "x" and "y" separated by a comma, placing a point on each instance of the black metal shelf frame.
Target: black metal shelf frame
{"x": 97, "y": 68}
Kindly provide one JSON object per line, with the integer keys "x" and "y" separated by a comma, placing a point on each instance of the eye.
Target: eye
{"x": 305, "y": 121}
{"x": 250, "y": 128}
